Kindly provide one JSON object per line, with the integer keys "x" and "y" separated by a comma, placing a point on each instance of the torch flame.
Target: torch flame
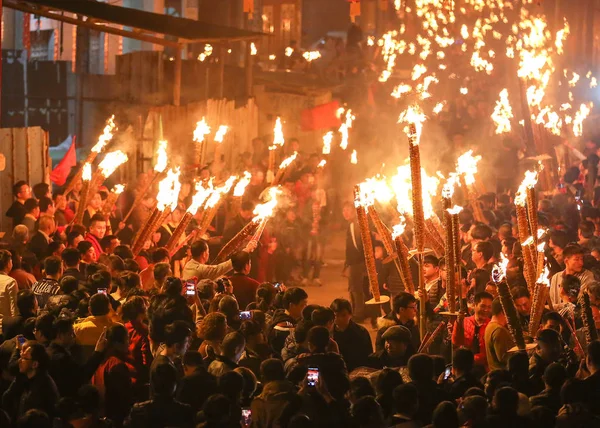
{"x": 265, "y": 210}
{"x": 499, "y": 271}
{"x": 322, "y": 163}
{"x": 543, "y": 279}
{"x": 529, "y": 181}
{"x": 161, "y": 156}
{"x": 288, "y": 161}
{"x": 202, "y": 193}
{"x": 168, "y": 190}
{"x": 86, "y": 174}
{"x": 399, "y": 228}
{"x": 327, "y": 139}
{"x": 467, "y": 165}
{"x": 221, "y": 133}
{"x": 106, "y": 136}
{"x": 241, "y": 185}
{"x": 278, "y": 139}
{"x": 216, "y": 194}
{"x": 527, "y": 242}
{"x": 118, "y": 189}
{"x": 454, "y": 210}
{"x": 201, "y": 131}
{"x": 413, "y": 115}
{"x": 502, "y": 113}
{"x": 541, "y": 247}
{"x": 111, "y": 162}
{"x": 377, "y": 189}
{"x": 448, "y": 189}
{"x": 353, "y": 158}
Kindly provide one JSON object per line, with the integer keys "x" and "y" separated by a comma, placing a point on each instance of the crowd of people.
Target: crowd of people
{"x": 93, "y": 334}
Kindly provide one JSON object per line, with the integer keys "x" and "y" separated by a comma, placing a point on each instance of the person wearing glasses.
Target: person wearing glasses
{"x": 403, "y": 313}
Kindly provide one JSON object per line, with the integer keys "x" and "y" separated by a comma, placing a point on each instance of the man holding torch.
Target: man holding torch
{"x": 197, "y": 267}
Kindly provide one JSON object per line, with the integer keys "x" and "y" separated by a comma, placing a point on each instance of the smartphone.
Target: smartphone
{"x": 277, "y": 285}
{"x": 190, "y": 288}
{"x": 246, "y": 417}
{"x": 102, "y": 291}
{"x": 448, "y": 372}
{"x": 312, "y": 376}
{"x": 22, "y": 340}
{"x": 245, "y": 315}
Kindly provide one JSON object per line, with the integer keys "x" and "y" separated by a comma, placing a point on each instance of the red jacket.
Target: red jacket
{"x": 470, "y": 326}
{"x": 115, "y": 380}
{"x": 95, "y": 242}
{"x": 244, "y": 289}
{"x": 139, "y": 348}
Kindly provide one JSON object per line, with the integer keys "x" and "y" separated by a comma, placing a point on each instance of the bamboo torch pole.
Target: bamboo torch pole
{"x": 83, "y": 196}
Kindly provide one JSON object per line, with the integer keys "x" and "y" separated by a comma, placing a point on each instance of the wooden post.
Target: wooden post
{"x": 177, "y": 77}
{"x": 222, "y": 56}
{"x": 1, "y": 30}
{"x": 248, "y": 68}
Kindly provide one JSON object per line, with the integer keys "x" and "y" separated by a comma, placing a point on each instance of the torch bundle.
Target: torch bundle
{"x": 403, "y": 256}
{"x": 508, "y": 304}
{"x": 540, "y": 296}
{"x": 589, "y": 326}
{"x": 278, "y": 141}
{"x": 83, "y": 195}
{"x": 111, "y": 200}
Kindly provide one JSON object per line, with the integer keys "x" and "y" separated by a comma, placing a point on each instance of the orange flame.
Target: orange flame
{"x": 161, "y": 156}
{"x": 106, "y": 136}
{"x": 199, "y": 197}
{"x": 265, "y": 210}
{"x": 168, "y": 190}
{"x": 111, "y": 162}
{"x": 201, "y": 131}
{"x": 221, "y": 133}
{"x": 86, "y": 174}
{"x": 118, "y": 189}
{"x": 241, "y": 185}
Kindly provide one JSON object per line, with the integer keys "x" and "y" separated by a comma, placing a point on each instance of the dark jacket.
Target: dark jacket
{"x": 503, "y": 421}
{"x": 161, "y": 412}
{"x": 354, "y": 344}
{"x": 45, "y": 288}
{"x": 332, "y": 369}
{"x": 75, "y": 273}
{"x": 549, "y": 398}
{"x": 115, "y": 379}
{"x": 279, "y": 329}
{"x": 17, "y": 212}
{"x": 24, "y": 394}
{"x": 13, "y": 326}
{"x": 196, "y": 388}
{"x": 592, "y": 384}
{"x": 389, "y": 320}
{"x": 381, "y": 359}
{"x": 270, "y": 404}
{"x": 458, "y": 388}
{"x": 39, "y": 245}
{"x": 67, "y": 373}
{"x": 576, "y": 416}
{"x": 430, "y": 395}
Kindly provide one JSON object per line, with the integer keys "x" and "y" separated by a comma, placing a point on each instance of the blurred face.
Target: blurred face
{"x": 291, "y": 216}
{"x": 96, "y": 202}
{"x": 24, "y": 192}
{"x": 408, "y": 312}
{"x": 476, "y": 256}
{"x": 523, "y": 305}
{"x": 492, "y": 289}
{"x": 77, "y": 240}
{"x": 342, "y": 319}
{"x": 483, "y": 309}
{"x": 98, "y": 229}
{"x": 378, "y": 253}
{"x": 182, "y": 348}
{"x": 574, "y": 263}
{"x": 176, "y": 216}
{"x": 26, "y": 364}
{"x": 348, "y": 213}
{"x": 90, "y": 255}
{"x": 59, "y": 251}
{"x": 60, "y": 202}
{"x": 395, "y": 349}
{"x": 552, "y": 325}
{"x": 257, "y": 177}
{"x": 51, "y": 209}
{"x": 68, "y": 338}
{"x": 430, "y": 271}
{"x": 295, "y": 310}
{"x": 114, "y": 243}
{"x": 246, "y": 214}
{"x": 555, "y": 249}
{"x": 596, "y": 255}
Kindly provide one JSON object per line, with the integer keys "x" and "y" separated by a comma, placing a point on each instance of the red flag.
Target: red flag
{"x": 320, "y": 117}
{"x": 61, "y": 171}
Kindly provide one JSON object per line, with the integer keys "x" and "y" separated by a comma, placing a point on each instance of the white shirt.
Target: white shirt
{"x": 8, "y": 297}
{"x": 585, "y": 276}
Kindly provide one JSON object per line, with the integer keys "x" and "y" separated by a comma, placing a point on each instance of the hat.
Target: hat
{"x": 398, "y": 333}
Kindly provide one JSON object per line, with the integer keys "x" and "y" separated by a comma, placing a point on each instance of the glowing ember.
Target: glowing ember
{"x": 241, "y": 185}
{"x": 399, "y": 228}
{"x": 221, "y": 133}
{"x": 263, "y": 211}
{"x": 502, "y": 113}
{"x": 354, "y": 158}
{"x": 288, "y": 161}
{"x": 201, "y": 131}
{"x": 401, "y": 90}
{"x": 438, "y": 107}
{"x": 322, "y": 163}
{"x": 467, "y": 165}
{"x": 86, "y": 172}
{"x": 199, "y": 198}
{"x": 311, "y": 56}
{"x": 208, "y": 50}
{"x": 327, "y": 140}
{"x": 161, "y": 156}
{"x": 253, "y": 50}
{"x": 527, "y": 242}
{"x": 580, "y": 116}
{"x": 111, "y": 162}
{"x": 106, "y": 136}
{"x": 118, "y": 189}
{"x": 289, "y": 51}
{"x": 344, "y": 129}
{"x": 168, "y": 190}
{"x": 464, "y": 91}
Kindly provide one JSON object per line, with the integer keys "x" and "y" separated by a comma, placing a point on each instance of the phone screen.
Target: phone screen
{"x": 190, "y": 288}
{"x": 102, "y": 291}
{"x": 448, "y": 372}
{"x": 312, "y": 376}
{"x": 246, "y": 417}
{"x": 22, "y": 340}
{"x": 277, "y": 285}
{"x": 245, "y": 315}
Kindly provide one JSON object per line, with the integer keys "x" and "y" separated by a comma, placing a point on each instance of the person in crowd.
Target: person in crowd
{"x": 505, "y": 407}
{"x": 97, "y": 230}
{"x": 135, "y": 316}
{"x": 198, "y": 268}
{"x": 197, "y": 384}
{"x": 244, "y": 287}
{"x": 212, "y": 330}
{"x": 522, "y": 300}
{"x": 420, "y": 369}
{"x": 473, "y": 329}
{"x": 294, "y": 301}
{"x": 40, "y": 240}
{"x": 163, "y": 409}
{"x": 397, "y": 349}
{"x": 177, "y": 338}
{"x": 108, "y": 244}
{"x": 433, "y": 282}
{"x": 406, "y": 404}
{"x": 161, "y": 272}
{"x": 462, "y": 377}
{"x": 353, "y": 339}
{"x": 32, "y": 388}
{"x": 32, "y": 213}
{"x": 573, "y": 260}
{"x": 89, "y": 330}
{"x": 88, "y": 252}
{"x": 27, "y": 308}
{"x": 482, "y": 253}
{"x": 404, "y": 312}
{"x": 497, "y": 338}
{"x": 48, "y": 286}
{"x": 8, "y": 288}
{"x": 17, "y": 211}
{"x": 354, "y": 265}
{"x": 159, "y": 255}
{"x": 231, "y": 351}
{"x": 555, "y": 375}
{"x": 278, "y": 392}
